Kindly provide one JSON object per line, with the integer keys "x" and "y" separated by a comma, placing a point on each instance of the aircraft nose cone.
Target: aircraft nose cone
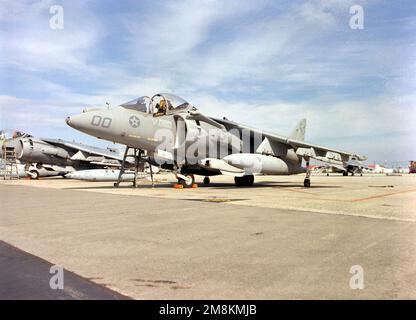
{"x": 79, "y": 121}
{"x": 87, "y": 122}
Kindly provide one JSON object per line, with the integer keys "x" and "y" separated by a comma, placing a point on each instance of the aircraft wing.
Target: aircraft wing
{"x": 196, "y": 115}
{"x": 302, "y": 148}
{"x": 84, "y": 151}
{"x": 337, "y": 166}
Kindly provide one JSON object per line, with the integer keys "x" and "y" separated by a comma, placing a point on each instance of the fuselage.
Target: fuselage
{"x": 182, "y": 137}
{"x": 175, "y": 139}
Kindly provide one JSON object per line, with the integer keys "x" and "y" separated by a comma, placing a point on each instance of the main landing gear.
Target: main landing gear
{"x": 186, "y": 180}
{"x": 34, "y": 175}
{"x": 206, "y": 180}
{"x": 244, "y": 181}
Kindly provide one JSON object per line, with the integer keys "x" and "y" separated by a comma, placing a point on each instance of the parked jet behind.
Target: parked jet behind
{"x": 180, "y": 138}
{"x": 58, "y": 157}
{"x": 352, "y": 166}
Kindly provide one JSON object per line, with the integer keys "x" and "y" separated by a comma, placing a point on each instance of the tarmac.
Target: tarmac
{"x": 24, "y": 276}
{"x": 275, "y": 240}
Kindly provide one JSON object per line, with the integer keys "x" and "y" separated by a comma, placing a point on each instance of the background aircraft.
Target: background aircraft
{"x": 180, "y": 138}
{"x": 352, "y": 166}
{"x": 50, "y": 157}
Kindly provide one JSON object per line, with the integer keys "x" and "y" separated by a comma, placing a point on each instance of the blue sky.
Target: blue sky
{"x": 264, "y": 63}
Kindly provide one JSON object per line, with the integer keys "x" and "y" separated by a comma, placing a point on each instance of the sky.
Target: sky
{"x": 264, "y": 63}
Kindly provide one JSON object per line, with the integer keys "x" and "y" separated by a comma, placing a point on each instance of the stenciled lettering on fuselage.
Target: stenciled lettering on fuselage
{"x": 100, "y": 121}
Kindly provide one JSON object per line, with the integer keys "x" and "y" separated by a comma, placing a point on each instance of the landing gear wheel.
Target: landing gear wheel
{"x": 327, "y": 174}
{"x": 307, "y": 183}
{"x": 245, "y": 181}
{"x": 188, "y": 181}
{"x": 34, "y": 175}
{"x": 206, "y": 180}
{"x": 345, "y": 173}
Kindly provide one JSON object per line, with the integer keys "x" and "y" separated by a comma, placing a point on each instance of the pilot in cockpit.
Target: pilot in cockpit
{"x": 161, "y": 108}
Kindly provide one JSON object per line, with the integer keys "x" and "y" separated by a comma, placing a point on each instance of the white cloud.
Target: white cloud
{"x": 33, "y": 46}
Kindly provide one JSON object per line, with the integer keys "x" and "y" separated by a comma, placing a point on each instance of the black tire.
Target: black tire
{"x": 206, "y": 180}
{"x": 188, "y": 182}
{"x": 244, "y": 181}
{"x": 307, "y": 183}
{"x": 250, "y": 180}
{"x": 34, "y": 175}
{"x": 345, "y": 173}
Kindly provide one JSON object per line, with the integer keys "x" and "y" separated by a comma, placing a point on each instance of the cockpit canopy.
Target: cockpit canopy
{"x": 141, "y": 104}
{"x": 159, "y": 104}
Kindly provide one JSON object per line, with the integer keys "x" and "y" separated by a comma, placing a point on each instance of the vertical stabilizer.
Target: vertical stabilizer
{"x": 299, "y": 132}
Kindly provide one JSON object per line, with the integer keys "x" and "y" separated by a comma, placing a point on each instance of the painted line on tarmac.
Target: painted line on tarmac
{"x": 319, "y": 211}
{"x": 382, "y": 195}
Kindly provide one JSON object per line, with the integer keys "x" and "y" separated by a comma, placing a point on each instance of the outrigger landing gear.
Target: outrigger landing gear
{"x": 307, "y": 181}
{"x": 206, "y": 180}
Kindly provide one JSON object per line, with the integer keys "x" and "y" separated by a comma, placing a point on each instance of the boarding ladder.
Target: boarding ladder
{"x": 9, "y": 168}
{"x": 139, "y": 159}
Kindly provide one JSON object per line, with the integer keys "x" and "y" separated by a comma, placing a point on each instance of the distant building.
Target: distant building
{"x": 412, "y": 167}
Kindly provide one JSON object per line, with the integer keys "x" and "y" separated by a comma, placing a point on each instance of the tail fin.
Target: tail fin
{"x": 299, "y": 132}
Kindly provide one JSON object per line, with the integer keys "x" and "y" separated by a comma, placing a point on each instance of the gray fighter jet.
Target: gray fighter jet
{"x": 50, "y": 157}
{"x": 176, "y": 136}
{"x": 352, "y": 166}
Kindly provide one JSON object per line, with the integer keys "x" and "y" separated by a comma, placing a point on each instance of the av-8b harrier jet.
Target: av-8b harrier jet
{"x": 176, "y": 136}
{"x": 51, "y": 157}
